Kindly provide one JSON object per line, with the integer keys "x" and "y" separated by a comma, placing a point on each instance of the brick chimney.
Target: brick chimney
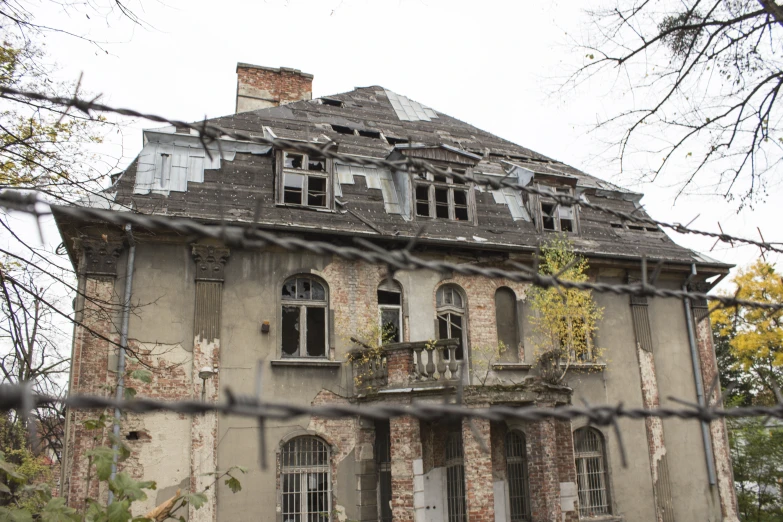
{"x": 261, "y": 87}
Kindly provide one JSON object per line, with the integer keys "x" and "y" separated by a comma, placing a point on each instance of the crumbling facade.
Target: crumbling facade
{"x": 206, "y": 317}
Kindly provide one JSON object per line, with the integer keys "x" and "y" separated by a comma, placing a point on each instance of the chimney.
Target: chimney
{"x": 262, "y": 87}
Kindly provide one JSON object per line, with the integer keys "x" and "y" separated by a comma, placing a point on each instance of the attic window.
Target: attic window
{"x": 370, "y": 134}
{"x": 332, "y": 102}
{"x": 442, "y": 196}
{"x": 396, "y": 141}
{"x": 305, "y": 180}
{"x": 556, "y": 217}
{"x": 341, "y": 129}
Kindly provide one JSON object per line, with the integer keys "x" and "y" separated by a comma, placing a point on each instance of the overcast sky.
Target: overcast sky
{"x": 496, "y": 65}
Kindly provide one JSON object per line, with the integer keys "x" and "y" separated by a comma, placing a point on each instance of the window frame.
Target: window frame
{"x": 327, "y": 175}
{"x": 303, "y": 305}
{"x": 427, "y": 179}
{"x": 445, "y": 310}
{"x": 305, "y": 472}
{"x": 556, "y": 210}
{"x": 397, "y": 308}
{"x": 523, "y": 463}
{"x": 586, "y": 508}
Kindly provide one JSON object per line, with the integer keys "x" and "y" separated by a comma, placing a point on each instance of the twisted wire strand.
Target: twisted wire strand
{"x": 209, "y": 133}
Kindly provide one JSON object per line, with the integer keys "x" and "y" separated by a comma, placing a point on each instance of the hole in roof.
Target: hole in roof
{"x": 341, "y": 129}
{"x": 652, "y": 229}
{"x": 635, "y": 227}
{"x": 396, "y": 141}
{"x": 617, "y": 225}
{"x": 332, "y": 102}
{"x": 370, "y": 134}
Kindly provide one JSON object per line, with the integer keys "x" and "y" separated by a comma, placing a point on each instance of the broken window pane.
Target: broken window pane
{"x": 443, "y": 327}
{"x": 316, "y": 191}
{"x": 316, "y": 331}
{"x": 440, "y": 178}
{"x": 547, "y": 215}
{"x": 316, "y": 163}
{"x": 318, "y": 293}
{"x": 290, "y": 330}
{"x": 303, "y": 289}
{"x": 292, "y": 188}
{"x": 293, "y": 161}
{"x": 289, "y": 289}
{"x": 460, "y": 205}
{"x": 455, "y": 180}
{"x": 422, "y": 200}
{"x": 566, "y": 225}
{"x": 390, "y": 324}
{"x": 442, "y": 203}
{"x": 389, "y": 298}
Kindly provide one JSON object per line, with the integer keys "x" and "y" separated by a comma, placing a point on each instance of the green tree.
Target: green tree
{"x": 564, "y": 320}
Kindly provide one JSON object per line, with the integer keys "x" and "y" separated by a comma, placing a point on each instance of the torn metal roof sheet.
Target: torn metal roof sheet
{"x": 409, "y": 110}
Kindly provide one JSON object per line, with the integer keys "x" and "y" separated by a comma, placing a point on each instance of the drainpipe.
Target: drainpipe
{"x": 123, "y": 345}
{"x": 705, "y": 430}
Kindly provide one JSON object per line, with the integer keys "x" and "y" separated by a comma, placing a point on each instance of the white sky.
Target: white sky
{"x": 493, "y": 64}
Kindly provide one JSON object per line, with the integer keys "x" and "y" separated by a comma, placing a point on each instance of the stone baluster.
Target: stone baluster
{"x": 441, "y": 363}
{"x": 453, "y": 363}
{"x": 418, "y": 373}
{"x": 431, "y": 364}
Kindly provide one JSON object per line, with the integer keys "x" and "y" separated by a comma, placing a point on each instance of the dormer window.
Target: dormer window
{"x": 305, "y": 180}
{"x": 442, "y": 196}
{"x": 556, "y": 217}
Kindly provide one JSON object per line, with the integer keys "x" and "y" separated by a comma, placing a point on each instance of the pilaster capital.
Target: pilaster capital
{"x": 100, "y": 257}
{"x": 210, "y": 262}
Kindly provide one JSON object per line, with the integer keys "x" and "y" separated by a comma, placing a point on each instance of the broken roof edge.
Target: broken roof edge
{"x": 274, "y": 69}
{"x": 418, "y": 146}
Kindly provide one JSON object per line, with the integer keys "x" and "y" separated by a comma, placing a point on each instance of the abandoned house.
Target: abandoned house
{"x": 204, "y": 316}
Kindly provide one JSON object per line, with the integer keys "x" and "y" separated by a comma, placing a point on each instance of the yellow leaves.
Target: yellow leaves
{"x": 756, "y": 336}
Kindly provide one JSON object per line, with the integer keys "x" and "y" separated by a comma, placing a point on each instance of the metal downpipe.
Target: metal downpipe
{"x": 123, "y": 345}
{"x": 705, "y": 429}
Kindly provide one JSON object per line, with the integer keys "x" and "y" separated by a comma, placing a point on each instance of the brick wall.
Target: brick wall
{"x": 261, "y": 87}
{"x": 405, "y": 449}
{"x": 479, "y": 491}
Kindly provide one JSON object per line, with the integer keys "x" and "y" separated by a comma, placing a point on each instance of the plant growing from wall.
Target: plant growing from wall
{"x": 564, "y": 320}
{"x": 367, "y": 357}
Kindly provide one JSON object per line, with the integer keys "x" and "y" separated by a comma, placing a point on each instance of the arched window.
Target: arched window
{"x": 304, "y": 318}
{"x": 305, "y": 481}
{"x": 455, "y": 478}
{"x": 451, "y": 316}
{"x": 590, "y": 456}
{"x": 390, "y": 311}
{"x": 516, "y": 477}
{"x": 506, "y": 318}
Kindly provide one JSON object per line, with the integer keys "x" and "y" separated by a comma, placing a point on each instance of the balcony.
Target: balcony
{"x": 399, "y": 366}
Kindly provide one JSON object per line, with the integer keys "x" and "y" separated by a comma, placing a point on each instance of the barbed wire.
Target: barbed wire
{"x": 250, "y": 236}
{"x": 209, "y": 133}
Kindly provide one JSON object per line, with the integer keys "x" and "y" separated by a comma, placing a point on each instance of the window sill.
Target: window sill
{"x": 310, "y": 363}
{"x": 305, "y": 207}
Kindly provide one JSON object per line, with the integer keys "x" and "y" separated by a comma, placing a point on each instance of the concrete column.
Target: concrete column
{"x": 718, "y": 433}
{"x": 543, "y": 473}
{"x": 406, "y": 467}
{"x": 479, "y": 492}
{"x": 659, "y": 468}
{"x": 95, "y": 311}
{"x": 210, "y": 262}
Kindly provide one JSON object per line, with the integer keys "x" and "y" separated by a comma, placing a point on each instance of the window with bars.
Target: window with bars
{"x": 556, "y": 217}
{"x": 517, "y": 477}
{"x": 451, "y": 316}
{"x": 591, "y": 477}
{"x": 305, "y": 480}
{"x": 390, "y": 311}
{"x": 305, "y": 180}
{"x": 304, "y": 318}
{"x": 442, "y": 196}
{"x": 455, "y": 478}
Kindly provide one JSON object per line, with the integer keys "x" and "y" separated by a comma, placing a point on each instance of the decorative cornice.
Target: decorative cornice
{"x": 100, "y": 257}
{"x": 210, "y": 262}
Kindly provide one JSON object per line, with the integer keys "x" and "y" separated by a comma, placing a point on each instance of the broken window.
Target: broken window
{"x": 591, "y": 479}
{"x": 304, "y": 318}
{"x": 305, "y": 180}
{"x": 576, "y": 341}
{"x": 390, "y": 311}
{"x": 305, "y": 480}
{"x": 451, "y": 317}
{"x": 442, "y": 196}
{"x": 517, "y": 477}
{"x": 557, "y": 217}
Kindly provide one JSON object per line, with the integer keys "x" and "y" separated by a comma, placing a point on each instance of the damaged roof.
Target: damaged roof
{"x": 375, "y": 122}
